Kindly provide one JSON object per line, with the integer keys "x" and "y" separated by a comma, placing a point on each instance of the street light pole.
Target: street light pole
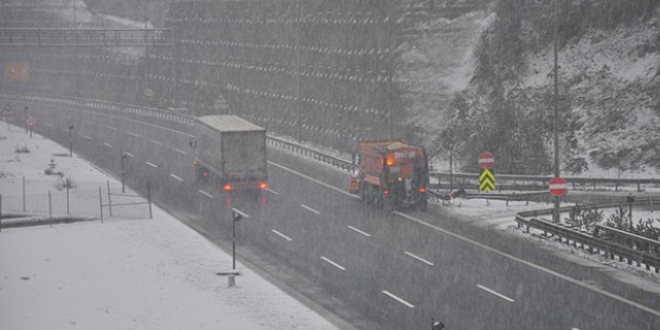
{"x": 556, "y": 214}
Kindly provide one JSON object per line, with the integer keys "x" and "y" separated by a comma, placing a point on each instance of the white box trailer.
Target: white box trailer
{"x": 231, "y": 152}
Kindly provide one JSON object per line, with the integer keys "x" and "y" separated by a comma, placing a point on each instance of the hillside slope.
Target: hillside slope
{"x": 609, "y": 88}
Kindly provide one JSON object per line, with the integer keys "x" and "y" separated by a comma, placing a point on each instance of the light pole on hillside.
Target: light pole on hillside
{"x": 556, "y": 214}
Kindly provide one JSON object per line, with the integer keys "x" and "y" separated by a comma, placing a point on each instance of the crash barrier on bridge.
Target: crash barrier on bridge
{"x": 84, "y": 37}
{"x": 538, "y": 182}
{"x": 604, "y": 240}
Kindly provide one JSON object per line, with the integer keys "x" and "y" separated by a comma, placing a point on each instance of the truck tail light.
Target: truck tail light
{"x": 422, "y": 190}
{"x": 386, "y": 192}
{"x": 227, "y": 187}
{"x": 263, "y": 185}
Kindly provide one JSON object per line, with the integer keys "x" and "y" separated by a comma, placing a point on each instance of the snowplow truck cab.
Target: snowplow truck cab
{"x": 392, "y": 175}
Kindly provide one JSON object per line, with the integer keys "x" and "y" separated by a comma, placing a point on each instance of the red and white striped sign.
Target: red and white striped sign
{"x": 558, "y": 187}
{"x": 486, "y": 160}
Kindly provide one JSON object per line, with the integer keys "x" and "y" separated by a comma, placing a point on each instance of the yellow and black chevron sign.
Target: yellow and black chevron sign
{"x": 486, "y": 181}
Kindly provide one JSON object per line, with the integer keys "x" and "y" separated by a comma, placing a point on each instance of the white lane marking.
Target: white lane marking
{"x": 332, "y": 263}
{"x": 88, "y": 137}
{"x": 241, "y": 213}
{"x": 309, "y": 209}
{"x": 66, "y": 130}
{"x": 89, "y": 122}
{"x": 48, "y": 125}
{"x": 359, "y": 231}
{"x": 132, "y": 134}
{"x": 418, "y": 258}
{"x": 181, "y": 152}
{"x": 107, "y": 145}
{"x": 282, "y": 235}
{"x": 387, "y": 293}
{"x": 205, "y": 193}
{"x": 271, "y": 191}
{"x": 128, "y": 154}
{"x": 495, "y": 293}
{"x": 575, "y": 329}
{"x": 488, "y": 248}
{"x": 157, "y": 142}
{"x": 532, "y": 265}
{"x": 313, "y": 180}
{"x": 112, "y": 128}
{"x": 151, "y": 164}
{"x": 176, "y": 177}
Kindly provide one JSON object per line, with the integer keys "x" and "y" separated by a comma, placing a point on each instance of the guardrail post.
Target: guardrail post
{"x": 639, "y": 187}
{"x": 0, "y": 213}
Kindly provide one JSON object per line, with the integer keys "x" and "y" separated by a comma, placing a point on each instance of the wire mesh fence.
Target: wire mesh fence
{"x": 87, "y": 199}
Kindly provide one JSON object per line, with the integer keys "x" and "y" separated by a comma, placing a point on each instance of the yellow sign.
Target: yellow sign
{"x": 486, "y": 181}
{"x": 16, "y": 72}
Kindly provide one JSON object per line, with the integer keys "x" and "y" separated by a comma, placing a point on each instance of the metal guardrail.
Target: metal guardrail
{"x": 307, "y": 152}
{"x": 85, "y": 37}
{"x": 610, "y": 241}
{"x": 536, "y": 182}
{"x": 639, "y": 243}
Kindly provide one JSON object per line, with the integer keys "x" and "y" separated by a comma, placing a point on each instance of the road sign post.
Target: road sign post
{"x": 558, "y": 187}
{"x": 236, "y": 216}
{"x": 486, "y": 179}
{"x": 486, "y": 160}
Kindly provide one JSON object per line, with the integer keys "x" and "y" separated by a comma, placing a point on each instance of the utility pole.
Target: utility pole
{"x": 297, "y": 73}
{"x": 556, "y": 214}
{"x": 389, "y": 67}
{"x": 73, "y": 6}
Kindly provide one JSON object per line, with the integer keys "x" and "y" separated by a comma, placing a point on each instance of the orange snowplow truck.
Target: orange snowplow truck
{"x": 392, "y": 175}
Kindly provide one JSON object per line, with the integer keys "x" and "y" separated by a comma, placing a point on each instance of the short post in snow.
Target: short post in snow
{"x": 123, "y": 184}
{"x": 101, "y": 203}
{"x": 0, "y": 212}
{"x": 109, "y": 198}
{"x": 25, "y": 119}
{"x": 24, "y": 195}
{"x": 70, "y": 142}
{"x": 50, "y": 209}
{"x": 151, "y": 216}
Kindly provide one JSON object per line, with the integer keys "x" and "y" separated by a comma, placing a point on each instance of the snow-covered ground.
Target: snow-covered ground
{"x": 122, "y": 273}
